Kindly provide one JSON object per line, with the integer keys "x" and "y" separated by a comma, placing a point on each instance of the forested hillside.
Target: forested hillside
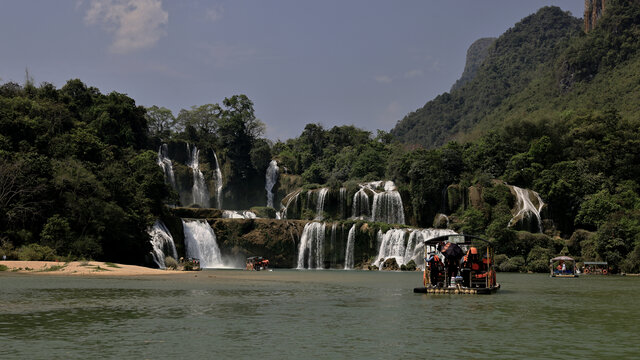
{"x": 551, "y": 109}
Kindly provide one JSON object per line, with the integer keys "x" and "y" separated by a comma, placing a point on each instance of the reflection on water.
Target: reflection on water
{"x": 316, "y": 314}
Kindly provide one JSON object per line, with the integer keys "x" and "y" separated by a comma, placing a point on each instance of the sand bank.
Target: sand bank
{"x": 80, "y": 268}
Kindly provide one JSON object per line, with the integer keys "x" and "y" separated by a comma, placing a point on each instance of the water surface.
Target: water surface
{"x": 234, "y": 314}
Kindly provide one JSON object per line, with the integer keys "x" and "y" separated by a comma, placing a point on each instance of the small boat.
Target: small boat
{"x": 563, "y": 267}
{"x": 257, "y": 263}
{"x": 458, "y": 264}
{"x": 596, "y": 268}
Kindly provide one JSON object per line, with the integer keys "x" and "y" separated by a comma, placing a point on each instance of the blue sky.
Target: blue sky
{"x": 351, "y": 62}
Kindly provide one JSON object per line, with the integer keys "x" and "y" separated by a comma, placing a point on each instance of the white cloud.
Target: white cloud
{"x": 413, "y": 74}
{"x": 383, "y": 79}
{"x": 135, "y": 24}
{"x": 215, "y": 13}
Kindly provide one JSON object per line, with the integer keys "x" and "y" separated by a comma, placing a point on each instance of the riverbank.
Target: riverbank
{"x": 81, "y": 268}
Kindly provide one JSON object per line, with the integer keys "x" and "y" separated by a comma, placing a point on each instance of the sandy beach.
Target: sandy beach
{"x": 81, "y": 268}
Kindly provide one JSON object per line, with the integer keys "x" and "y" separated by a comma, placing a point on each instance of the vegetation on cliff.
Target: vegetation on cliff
{"x": 550, "y": 109}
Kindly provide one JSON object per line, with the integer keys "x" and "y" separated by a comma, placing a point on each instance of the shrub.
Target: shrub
{"x": 538, "y": 266}
{"x": 499, "y": 259}
{"x": 170, "y": 263}
{"x": 36, "y": 252}
{"x": 411, "y": 266}
{"x": 3, "y": 267}
{"x": 514, "y": 264}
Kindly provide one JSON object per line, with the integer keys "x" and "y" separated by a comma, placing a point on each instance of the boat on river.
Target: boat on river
{"x": 257, "y": 263}
{"x": 458, "y": 264}
{"x": 563, "y": 267}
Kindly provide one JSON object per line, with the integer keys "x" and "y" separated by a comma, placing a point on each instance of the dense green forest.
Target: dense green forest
{"x": 550, "y": 109}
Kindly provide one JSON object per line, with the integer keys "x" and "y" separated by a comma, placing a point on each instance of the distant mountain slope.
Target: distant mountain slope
{"x": 515, "y": 59}
{"x": 476, "y": 55}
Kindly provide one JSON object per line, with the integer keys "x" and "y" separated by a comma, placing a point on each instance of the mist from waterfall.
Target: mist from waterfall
{"x": 311, "y": 249}
{"x": 348, "y": 254}
{"x": 219, "y": 182}
{"x": 271, "y": 178}
{"x": 199, "y": 190}
{"x": 162, "y": 244}
{"x": 201, "y": 243}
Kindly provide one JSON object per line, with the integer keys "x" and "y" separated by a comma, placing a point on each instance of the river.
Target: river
{"x": 289, "y": 314}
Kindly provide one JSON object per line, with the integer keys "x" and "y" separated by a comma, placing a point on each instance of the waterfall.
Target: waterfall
{"x": 199, "y": 190}
{"x": 394, "y": 243}
{"x": 387, "y": 207}
{"x": 525, "y": 207}
{"x": 271, "y": 178}
{"x": 285, "y": 211}
{"x": 218, "y": 179}
{"x": 162, "y": 244}
{"x": 360, "y": 204}
{"x": 232, "y": 214}
{"x": 201, "y": 243}
{"x": 342, "y": 203}
{"x": 167, "y": 167}
{"x": 311, "y": 250}
{"x": 348, "y": 254}
{"x": 332, "y": 244}
{"x": 322, "y": 195}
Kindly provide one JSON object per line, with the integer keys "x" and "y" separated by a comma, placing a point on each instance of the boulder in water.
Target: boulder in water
{"x": 390, "y": 264}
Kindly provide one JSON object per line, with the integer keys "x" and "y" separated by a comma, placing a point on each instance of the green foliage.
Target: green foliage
{"x": 36, "y": 252}
{"x": 513, "y": 264}
{"x": 3, "y": 267}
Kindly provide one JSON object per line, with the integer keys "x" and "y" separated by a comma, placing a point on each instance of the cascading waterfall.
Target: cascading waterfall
{"x": 218, "y": 179}
{"x": 342, "y": 202}
{"x": 332, "y": 244}
{"x": 387, "y": 206}
{"x": 322, "y": 195}
{"x": 271, "y": 178}
{"x": 360, "y": 205}
{"x": 162, "y": 244}
{"x": 293, "y": 198}
{"x": 201, "y": 243}
{"x": 311, "y": 250}
{"x": 232, "y": 214}
{"x": 199, "y": 191}
{"x": 525, "y": 207}
{"x": 167, "y": 167}
{"x": 348, "y": 254}
{"x": 394, "y": 244}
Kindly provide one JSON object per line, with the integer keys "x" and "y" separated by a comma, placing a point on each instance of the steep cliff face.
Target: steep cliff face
{"x": 593, "y": 10}
{"x": 476, "y": 54}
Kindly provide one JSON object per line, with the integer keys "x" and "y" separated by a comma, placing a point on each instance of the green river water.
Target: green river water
{"x": 289, "y": 314}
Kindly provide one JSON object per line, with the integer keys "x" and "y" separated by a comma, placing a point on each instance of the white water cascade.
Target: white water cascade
{"x": 342, "y": 202}
{"x": 199, "y": 191}
{"x": 322, "y": 195}
{"x": 525, "y": 207}
{"x": 162, "y": 244}
{"x": 201, "y": 243}
{"x": 218, "y": 179}
{"x": 348, "y": 254}
{"x": 232, "y": 214}
{"x": 271, "y": 178}
{"x": 360, "y": 207}
{"x": 167, "y": 167}
{"x": 311, "y": 250}
{"x": 394, "y": 243}
{"x": 387, "y": 205}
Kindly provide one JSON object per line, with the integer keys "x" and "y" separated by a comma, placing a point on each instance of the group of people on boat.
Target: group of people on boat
{"x": 257, "y": 263}
{"x": 469, "y": 269}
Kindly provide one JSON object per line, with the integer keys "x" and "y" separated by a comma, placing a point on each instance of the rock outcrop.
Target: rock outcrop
{"x": 593, "y": 10}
